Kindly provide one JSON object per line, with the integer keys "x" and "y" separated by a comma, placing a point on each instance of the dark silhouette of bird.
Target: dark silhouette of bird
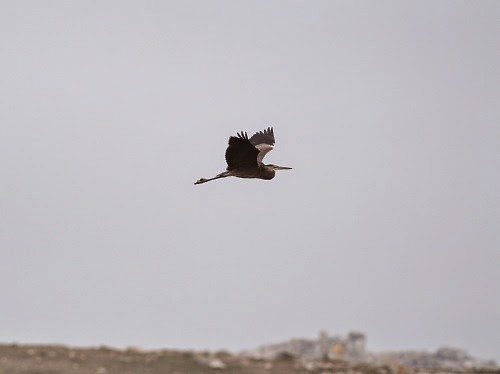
{"x": 244, "y": 157}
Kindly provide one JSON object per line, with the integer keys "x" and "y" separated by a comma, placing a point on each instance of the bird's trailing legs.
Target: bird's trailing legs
{"x": 221, "y": 175}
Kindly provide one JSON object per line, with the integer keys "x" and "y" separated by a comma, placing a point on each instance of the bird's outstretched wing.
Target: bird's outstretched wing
{"x": 241, "y": 153}
{"x": 263, "y": 137}
{"x": 264, "y": 142}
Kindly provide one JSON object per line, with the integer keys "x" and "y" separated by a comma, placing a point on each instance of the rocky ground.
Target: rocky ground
{"x": 45, "y": 359}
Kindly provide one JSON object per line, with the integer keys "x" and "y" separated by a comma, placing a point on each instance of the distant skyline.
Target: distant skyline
{"x": 388, "y": 113}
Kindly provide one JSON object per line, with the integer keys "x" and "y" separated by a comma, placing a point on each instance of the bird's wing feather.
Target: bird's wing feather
{"x": 241, "y": 153}
{"x": 263, "y": 137}
{"x": 264, "y": 142}
{"x": 263, "y": 150}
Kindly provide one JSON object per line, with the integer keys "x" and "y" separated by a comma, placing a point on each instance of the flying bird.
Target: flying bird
{"x": 244, "y": 157}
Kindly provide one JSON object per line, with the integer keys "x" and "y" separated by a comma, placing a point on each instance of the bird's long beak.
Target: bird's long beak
{"x": 275, "y": 167}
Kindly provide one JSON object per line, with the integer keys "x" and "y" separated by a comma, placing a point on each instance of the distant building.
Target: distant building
{"x": 350, "y": 348}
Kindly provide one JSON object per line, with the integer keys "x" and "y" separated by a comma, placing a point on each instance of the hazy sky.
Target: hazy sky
{"x": 388, "y": 112}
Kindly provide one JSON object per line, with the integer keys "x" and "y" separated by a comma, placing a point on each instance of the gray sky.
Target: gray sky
{"x": 387, "y": 111}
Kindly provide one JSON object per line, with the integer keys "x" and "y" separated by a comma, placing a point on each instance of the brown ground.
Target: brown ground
{"x": 43, "y": 359}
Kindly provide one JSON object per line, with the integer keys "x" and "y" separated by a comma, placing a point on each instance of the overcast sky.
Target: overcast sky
{"x": 388, "y": 224}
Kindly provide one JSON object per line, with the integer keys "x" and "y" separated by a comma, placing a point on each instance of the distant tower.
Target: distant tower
{"x": 355, "y": 345}
{"x": 324, "y": 342}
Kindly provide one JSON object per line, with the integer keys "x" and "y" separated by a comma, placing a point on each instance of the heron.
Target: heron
{"x": 244, "y": 157}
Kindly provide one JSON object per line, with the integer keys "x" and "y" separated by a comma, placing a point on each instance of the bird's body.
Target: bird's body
{"x": 244, "y": 157}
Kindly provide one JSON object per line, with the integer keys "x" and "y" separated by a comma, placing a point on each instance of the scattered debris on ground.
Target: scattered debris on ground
{"x": 53, "y": 359}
